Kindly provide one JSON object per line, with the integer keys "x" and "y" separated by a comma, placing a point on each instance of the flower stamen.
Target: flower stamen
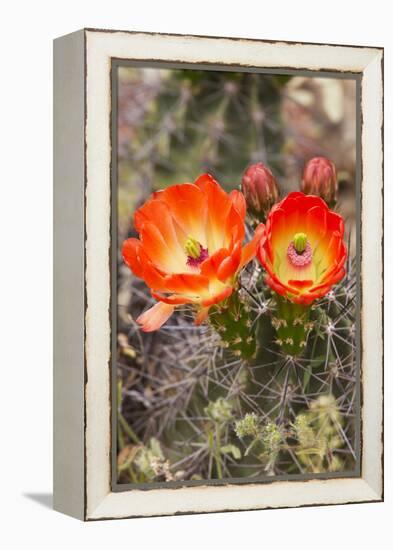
{"x": 196, "y": 254}
{"x": 299, "y": 251}
{"x": 300, "y": 242}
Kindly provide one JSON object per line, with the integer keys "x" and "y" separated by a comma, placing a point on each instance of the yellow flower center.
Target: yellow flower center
{"x": 300, "y": 242}
{"x": 195, "y": 252}
{"x": 192, "y": 248}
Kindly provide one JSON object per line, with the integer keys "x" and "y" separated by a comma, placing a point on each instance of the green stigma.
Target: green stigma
{"x": 300, "y": 242}
{"x": 192, "y": 248}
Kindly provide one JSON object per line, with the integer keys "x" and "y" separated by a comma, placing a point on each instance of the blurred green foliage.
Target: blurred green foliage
{"x": 191, "y": 122}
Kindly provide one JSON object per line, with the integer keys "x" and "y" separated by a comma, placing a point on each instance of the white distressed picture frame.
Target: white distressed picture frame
{"x": 82, "y": 239}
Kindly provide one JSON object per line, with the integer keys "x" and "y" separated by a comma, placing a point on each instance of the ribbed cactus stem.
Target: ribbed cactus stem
{"x": 232, "y": 319}
{"x": 292, "y": 324}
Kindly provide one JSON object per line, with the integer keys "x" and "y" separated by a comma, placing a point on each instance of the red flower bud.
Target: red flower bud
{"x": 260, "y": 189}
{"x": 320, "y": 179}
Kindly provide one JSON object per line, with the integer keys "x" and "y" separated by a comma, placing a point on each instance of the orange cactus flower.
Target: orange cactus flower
{"x": 302, "y": 248}
{"x": 190, "y": 247}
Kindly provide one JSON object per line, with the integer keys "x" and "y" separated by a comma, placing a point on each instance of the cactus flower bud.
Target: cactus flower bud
{"x": 319, "y": 178}
{"x": 260, "y": 189}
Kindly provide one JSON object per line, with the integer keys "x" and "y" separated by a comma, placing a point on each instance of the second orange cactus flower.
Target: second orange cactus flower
{"x": 303, "y": 249}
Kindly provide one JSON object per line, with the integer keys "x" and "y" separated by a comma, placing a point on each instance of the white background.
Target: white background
{"x": 26, "y": 274}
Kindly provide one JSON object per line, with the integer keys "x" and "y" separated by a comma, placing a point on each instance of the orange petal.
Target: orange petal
{"x": 250, "y": 249}
{"x": 264, "y": 251}
{"x": 295, "y": 207}
{"x": 130, "y": 253}
{"x": 218, "y": 297}
{"x": 301, "y": 202}
{"x": 219, "y": 206}
{"x": 230, "y": 265}
{"x": 153, "y": 277}
{"x": 188, "y": 206}
{"x": 234, "y": 227}
{"x": 239, "y": 202}
{"x": 156, "y": 248}
{"x": 333, "y": 279}
{"x": 291, "y": 208}
{"x": 277, "y": 286}
{"x": 313, "y": 294}
{"x": 335, "y": 222}
{"x": 174, "y": 299}
{"x": 277, "y": 229}
{"x": 316, "y": 223}
{"x": 155, "y": 317}
{"x": 297, "y": 283}
{"x": 188, "y": 283}
{"x": 337, "y": 265}
{"x": 201, "y": 315}
{"x": 334, "y": 248}
{"x": 159, "y": 214}
{"x": 210, "y": 266}
{"x": 205, "y": 180}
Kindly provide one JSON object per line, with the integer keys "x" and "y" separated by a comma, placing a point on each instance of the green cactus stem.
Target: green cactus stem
{"x": 292, "y": 323}
{"x": 233, "y": 320}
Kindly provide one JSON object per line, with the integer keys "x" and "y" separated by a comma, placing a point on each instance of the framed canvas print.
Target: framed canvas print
{"x": 218, "y": 274}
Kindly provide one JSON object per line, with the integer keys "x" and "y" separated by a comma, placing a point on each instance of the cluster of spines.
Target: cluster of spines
{"x": 233, "y": 320}
{"x": 292, "y": 324}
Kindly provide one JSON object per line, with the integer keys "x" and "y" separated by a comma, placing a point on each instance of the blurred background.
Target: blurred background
{"x": 174, "y": 125}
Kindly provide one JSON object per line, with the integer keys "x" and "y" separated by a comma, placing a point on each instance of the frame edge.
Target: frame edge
{"x": 370, "y": 486}
{"x": 68, "y": 288}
